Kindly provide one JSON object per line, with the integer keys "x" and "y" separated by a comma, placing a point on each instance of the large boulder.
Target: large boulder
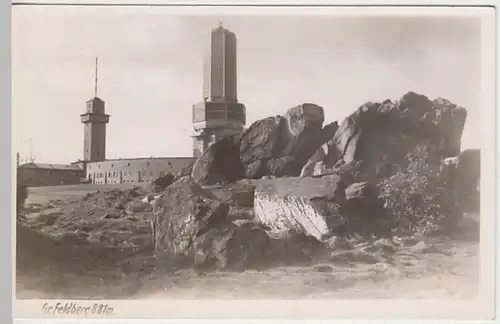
{"x": 219, "y": 163}
{"x": 275, "y": 146}
{"x": 364, "y": 210}
{"x": 280, "y": 145}
{"x": 463, "y": 176}
{"x": 261, "y": 141}
{"x": 230, "y": 247}
{"x": 184, "y": 212}
{"x": 468, "y": 171}
{"x": 300, "y": 205}
{"x": 381, "y": 134}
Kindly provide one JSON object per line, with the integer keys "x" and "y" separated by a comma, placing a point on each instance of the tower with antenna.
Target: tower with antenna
{"x": 94, "y": 120}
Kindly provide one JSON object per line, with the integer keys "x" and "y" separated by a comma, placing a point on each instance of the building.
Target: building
{"x": 99, "y": 170}
{"x": 135, "y": 170}
{"x": 220, "y": 114}
{"x": 44, "y": 174}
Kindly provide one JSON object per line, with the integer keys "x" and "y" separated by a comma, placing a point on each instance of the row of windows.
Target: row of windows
{"x": 143, "y": 173}
{"x": 128, "y": 164}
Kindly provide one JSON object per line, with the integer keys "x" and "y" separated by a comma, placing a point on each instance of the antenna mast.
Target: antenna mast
{"x": 96, "y": 74}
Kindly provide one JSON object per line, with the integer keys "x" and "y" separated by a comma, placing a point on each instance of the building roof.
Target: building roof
{"x": 48, "y": 166}
{"x": 148, "y": 158}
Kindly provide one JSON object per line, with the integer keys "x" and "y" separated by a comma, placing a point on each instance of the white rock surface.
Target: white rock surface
{"x": 303, "y": 205}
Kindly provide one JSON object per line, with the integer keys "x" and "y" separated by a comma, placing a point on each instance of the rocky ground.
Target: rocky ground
{"x": 79, "y": 243}
{"x": 288, "y": 208}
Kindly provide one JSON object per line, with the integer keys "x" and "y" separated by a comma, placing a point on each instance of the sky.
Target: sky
{"x": 151, "y": 65}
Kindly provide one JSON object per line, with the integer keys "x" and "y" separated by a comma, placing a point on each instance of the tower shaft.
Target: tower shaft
{"x": 220, "y": 114}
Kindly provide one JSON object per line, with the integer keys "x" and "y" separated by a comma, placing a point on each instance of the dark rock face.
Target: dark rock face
{"x": 230, "y": 247}
{"x": 468, "y": 172}
{"x": 300, "y": 205}
{"x": 261, "y": 141}
{"x": 219, "y": 163}
{"x": 463, "y": 174}
{"x": 279, "y": 146}
{"x": 381, "y": 134}
{"x": 275, "y": 146}
{"x": 184, "y": 212}
{"x": 364, "y": 210}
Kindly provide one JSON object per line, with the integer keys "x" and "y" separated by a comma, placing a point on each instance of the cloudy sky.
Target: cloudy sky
{"x": 150, "y": 71}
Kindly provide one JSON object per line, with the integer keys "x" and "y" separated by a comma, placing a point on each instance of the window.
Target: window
{"x": 112, "y": 165}
{"x": 128, "y": 164}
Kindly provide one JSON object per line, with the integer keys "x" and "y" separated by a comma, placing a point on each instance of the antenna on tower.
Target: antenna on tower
{"x": 96, "y": 74}
{"x": 220, "y": 24}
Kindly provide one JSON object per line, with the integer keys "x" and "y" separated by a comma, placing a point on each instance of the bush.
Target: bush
{"x": 163, "y": 182}
{"x": 417, "y": 197}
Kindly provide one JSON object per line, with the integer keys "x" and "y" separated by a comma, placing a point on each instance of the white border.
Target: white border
{"x": 372, "y": 309}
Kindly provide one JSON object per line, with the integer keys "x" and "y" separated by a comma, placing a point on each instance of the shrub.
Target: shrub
{"x": 163, "y": 182}
{"x": 417, "y": 197}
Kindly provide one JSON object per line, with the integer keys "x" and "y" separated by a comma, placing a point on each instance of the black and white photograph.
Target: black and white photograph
{"x": 180, "y": 153}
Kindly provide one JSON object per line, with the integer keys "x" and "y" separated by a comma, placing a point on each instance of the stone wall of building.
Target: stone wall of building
{"x": 37, "y": 177}
{"x": 134, "y": 170}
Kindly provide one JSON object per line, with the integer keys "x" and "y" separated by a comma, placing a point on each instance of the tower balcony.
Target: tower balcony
{"x": 94, "y": 118}
{"x": 210, "y": 115}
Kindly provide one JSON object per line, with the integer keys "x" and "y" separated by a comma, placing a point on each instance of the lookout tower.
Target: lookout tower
{"x": 220, "y": 114}
{"x": 95, "y": 120}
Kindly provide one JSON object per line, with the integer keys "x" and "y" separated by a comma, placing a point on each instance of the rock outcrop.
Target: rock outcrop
{"x": 219, "y": 163}
{"x": 275, "y": 146}
{"x": 231, "y": 247}
{"x": 184, "y": 212}
{"x": 379, "y": 135}
{"x": 300, "y": 205}
{"x": 463, "y": 175}
{"x": 364, "y": 210}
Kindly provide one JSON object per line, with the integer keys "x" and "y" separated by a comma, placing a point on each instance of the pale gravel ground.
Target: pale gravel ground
{"x": 434, "y": 269}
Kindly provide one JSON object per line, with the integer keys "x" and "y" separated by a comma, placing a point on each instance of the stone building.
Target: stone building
{"x": 136, "y": 170}
{"x": 44, "y": 174}
{"x": 220, "y": 114}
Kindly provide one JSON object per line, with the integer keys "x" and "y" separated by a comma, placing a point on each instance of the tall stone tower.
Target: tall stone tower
{"x": 95, "y": 120}
{"x": 220, "y": 114}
